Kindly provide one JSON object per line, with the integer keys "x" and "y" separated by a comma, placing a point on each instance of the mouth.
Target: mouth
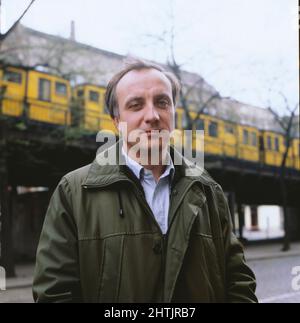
{"x": 153, "y": 132}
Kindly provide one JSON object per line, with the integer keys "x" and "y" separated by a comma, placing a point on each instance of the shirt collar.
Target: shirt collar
{"x": 139, "y": 171}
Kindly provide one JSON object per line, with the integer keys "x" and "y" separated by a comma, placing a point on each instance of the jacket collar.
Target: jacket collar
{"x": 101, "y": 174}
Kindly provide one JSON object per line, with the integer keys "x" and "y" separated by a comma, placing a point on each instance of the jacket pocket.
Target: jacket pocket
{"x": 111, "y": 268}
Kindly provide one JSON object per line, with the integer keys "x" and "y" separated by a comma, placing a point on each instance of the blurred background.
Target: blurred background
{"x": 238, "y": 62}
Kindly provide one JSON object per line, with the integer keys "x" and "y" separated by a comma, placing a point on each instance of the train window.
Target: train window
{"x": 94, "y": 96}
{"x": 200, "y": 124}
{"x": 213, "y": 129}
{"x": 44, "y": 90}
{"x": 229, "y": 129}
{"x": 253, "y": 139}
{"x": 245, "y": 137}
{"x": 276, "y": 144}
{"x": 269, "y": 143}
{"x": 80, "y": 93}
{"x": 13, "y": 77}
{"x": 61, "y": 89}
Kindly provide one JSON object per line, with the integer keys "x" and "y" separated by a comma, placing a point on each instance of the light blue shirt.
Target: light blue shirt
{"x": 157, "y": 193}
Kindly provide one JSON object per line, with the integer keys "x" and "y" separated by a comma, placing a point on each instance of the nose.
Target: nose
{"x": 151, "y": 114}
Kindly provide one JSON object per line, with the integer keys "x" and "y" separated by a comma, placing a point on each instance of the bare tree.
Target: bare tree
{"x": 286, "y": 125}
{"x": 193, "y": 92}
{"x": 15, "y": 24}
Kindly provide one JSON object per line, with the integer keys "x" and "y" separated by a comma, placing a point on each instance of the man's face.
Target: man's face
{"x": 145, "y": 104}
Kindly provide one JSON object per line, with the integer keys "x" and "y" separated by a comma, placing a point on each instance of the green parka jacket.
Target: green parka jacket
{"x": 101, "y": 243}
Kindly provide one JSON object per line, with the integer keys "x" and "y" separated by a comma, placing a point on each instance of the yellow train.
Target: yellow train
{"x": 91, "y": 108}
{"x": 45, "y": 97}
{"x": 48, "y": 98}
{"x": 40, "y": 96}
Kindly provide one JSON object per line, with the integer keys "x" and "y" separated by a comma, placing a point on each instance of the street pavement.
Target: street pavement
{"x": 16, "y": 295}
{"x": 274, "y": 272}
{"x": 18, "y": 289}
{"x": 274, "y": 279}
{"x": 272, "y": 267}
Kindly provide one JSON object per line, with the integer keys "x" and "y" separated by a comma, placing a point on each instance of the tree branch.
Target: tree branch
{"x": 3, "y": 36}
{"x": 201, "y": 110}
{"x": 278, "y": 119}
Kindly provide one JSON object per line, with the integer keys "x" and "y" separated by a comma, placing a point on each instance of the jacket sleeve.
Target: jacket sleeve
{"x": 56, "y": 277}
{"x": 240, "y": 282}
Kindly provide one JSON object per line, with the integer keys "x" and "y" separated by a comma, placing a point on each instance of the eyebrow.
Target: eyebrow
{"x": 162, "y": 95}
{"x": 140, "y": 98}
{"x": 134, "y": 98}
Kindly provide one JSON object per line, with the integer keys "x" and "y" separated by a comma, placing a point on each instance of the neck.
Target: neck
{"x": 157, "y": 168}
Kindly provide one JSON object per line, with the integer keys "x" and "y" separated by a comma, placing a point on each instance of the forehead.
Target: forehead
{"x": 139, "y": 81}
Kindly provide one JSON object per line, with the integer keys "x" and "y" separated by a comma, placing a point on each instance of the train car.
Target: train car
{"x": 213, "y": 134}
{"x": 248, "y": 143}
{"x": 49, "y": 98}
{"x": 212, "y": 128}
{"x": 13, "y": 90}
{"x": 225, "y": 138}
{"x": 273, "y": 148}
{"x": 91, "y": 114}
{"x": 230, "y": 139}
{"x": 39, "y": 96}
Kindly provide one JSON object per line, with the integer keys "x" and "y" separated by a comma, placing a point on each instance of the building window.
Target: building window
{"x": 13, "y": 77}
{"x": 229, "y": 129}
{"x": 269, "y": 143}
{"x": 61, "y": 89}
{"x": 94, "y": 96}
{"x": 245, "y": 137}
{"x": 200, "y": 124}
{"x": 254, "y": 139}
{"x": 213, "y": 129}
{"x": 44, "y": 90}
{"x": 276, "y": 144}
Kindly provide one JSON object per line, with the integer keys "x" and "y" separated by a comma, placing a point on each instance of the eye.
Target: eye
{"x": 135, "y": 106}
{"x": 163, "y": 103}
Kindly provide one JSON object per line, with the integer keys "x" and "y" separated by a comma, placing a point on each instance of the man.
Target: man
{"x": 140, "y": 232}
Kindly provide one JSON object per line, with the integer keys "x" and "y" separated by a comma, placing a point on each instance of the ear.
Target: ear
{"x": 116, "y": 122}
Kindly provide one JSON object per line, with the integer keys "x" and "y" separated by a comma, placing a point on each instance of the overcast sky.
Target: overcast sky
{"x": 246, "y": 49}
